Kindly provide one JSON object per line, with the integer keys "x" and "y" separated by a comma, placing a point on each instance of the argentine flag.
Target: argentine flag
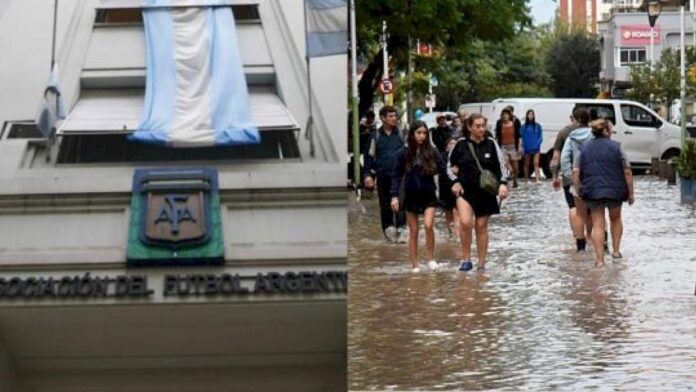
{"x": 195, "y": 94}
{"x": 327, "y": 27}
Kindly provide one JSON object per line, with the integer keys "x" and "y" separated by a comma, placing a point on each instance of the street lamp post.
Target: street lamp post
{"x": 682, "y": 74}
{"x": 654, "y": 9}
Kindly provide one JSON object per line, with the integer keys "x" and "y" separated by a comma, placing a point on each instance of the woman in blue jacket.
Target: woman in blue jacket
{"x": 532, "y": 136}
{"x": 415, "y": 166}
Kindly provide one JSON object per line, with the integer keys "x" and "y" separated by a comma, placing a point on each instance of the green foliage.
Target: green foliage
{"x": 573, "y": 62}
{"x": 451, "y": 26}
{"x": 664, "y": 82}
{"x": 686, "y": 161}
{"x": 490, "y": 70}
{"x": 446, "y": 23}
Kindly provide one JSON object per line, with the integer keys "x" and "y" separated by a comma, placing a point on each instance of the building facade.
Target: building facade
{"x": 625, "y": 41}
{"x": 263, "y": 309}
{"x": 580, "y": 14}
{"x": 587, "y": 14}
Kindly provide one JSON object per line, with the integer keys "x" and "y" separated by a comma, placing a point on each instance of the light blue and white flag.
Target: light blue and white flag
{"x": 52, "y": 108}
{"x": 196, "y": 93}
{"x": 327, "y": 27}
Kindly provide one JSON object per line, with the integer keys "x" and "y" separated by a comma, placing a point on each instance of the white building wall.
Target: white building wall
{"x": 25, "y": 41}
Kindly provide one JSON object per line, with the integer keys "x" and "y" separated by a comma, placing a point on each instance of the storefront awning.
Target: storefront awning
{"x": 120, "y": 110}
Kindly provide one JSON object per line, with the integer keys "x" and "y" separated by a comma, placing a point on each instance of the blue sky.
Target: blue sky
{"x": 542, "y": 10}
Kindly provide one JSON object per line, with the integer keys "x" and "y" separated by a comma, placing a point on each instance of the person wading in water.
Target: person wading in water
{"x": 416, "y": 165}
{"x": 603, "y": 175}
{"x": 474, "y": 204}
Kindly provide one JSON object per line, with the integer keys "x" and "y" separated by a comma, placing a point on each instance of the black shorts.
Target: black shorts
{"x": 417, "y": 201}
{"x": 593, "y": 204}
{"x": 568, "y": 196}
{"x": 482, "y": 202}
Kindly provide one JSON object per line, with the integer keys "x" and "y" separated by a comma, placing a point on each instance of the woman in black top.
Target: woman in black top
{"x": 416, "y": 165}
{"x": 474, "y": 204}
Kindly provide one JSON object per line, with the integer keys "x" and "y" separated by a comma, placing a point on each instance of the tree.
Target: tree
{"x": 449, "y": 25}
{"x": 573, "y": 62}
{"x": 664, "y": 81}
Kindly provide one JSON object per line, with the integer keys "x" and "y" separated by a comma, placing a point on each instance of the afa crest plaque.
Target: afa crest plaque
{"x": 175, "y": 218}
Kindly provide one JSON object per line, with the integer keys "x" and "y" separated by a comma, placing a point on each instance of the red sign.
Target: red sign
{"x": 424, "y": 49}
{"x": 386, "y": 86}
{"x": 639, "y": 35}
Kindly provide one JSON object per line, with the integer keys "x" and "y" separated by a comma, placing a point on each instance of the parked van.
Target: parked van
{"x": 642, "y": 133}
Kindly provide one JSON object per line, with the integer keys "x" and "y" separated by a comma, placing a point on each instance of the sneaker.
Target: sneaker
{"x": 466, "y": 265}
{"x": 415, "y": 270}
{"x": 390, "y": 233}
{"x": 432, "y": 265}
{"x": 401, "y": 236}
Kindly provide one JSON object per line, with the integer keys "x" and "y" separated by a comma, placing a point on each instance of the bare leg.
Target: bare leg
{"x": 575, "y": 223}
{"x": 616, "y": 225}
{"x": 449, "y": 219}
{"x": 455, "y": 220}
{"x": 537, "y": 173}
{"x": 583, "y": 218}
{"x": 580, "y": 218}
{"x": 526, "y": 168}
{"x": 598, "y": 225}
{"x": 466, "y": 224}
{"x": 482, "y": 240}
{"x": 428, "y": 219}
{"x": 412, "y": 220}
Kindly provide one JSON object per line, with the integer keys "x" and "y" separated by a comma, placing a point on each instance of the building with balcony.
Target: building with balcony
{"x": 625, "y": 41}
{"x": 266, "y": 311}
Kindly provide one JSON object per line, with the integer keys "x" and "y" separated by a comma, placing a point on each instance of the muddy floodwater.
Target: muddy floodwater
{"x": 540, "y": 317}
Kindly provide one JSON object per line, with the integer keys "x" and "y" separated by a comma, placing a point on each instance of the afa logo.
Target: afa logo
{"x": 175, "y": 218}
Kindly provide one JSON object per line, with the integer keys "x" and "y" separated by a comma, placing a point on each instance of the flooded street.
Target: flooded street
{"x": 540, "y": 317}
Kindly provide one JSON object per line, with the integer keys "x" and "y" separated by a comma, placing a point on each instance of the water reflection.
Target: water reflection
{"x": 541, "y": 317}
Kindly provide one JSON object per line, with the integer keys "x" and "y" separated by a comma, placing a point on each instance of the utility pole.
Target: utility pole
{"x": 354, "y": 97}
{"x": 682, "y": 74}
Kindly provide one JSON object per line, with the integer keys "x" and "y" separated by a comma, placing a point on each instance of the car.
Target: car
{"x": 643, "y": 134}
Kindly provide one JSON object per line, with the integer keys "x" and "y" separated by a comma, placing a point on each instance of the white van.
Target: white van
{"x": 642, "y": 133}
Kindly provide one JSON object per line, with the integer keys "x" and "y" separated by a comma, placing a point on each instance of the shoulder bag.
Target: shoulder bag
{"x": 487, "y": 181}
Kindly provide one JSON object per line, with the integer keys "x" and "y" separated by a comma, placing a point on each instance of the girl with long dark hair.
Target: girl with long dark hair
{"x": 416, "y": 166}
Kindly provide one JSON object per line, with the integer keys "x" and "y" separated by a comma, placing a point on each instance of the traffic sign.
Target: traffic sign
{"x": 430, "y": 101}
{"x": 386, "y": 86}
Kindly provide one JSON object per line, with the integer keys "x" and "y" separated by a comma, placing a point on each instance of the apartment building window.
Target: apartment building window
{"x": 119, "y": 16}
{"x": 630, "y": 56}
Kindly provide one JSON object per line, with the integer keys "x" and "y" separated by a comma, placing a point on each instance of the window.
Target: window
{"x": 21, "y": 130}
{"x": 630, "y": 56}
{"x": 600, "y": 111}
{"x": 637, "y": 116}
{"x": 114, "y": 148}
{"x": 242, "y": 13}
